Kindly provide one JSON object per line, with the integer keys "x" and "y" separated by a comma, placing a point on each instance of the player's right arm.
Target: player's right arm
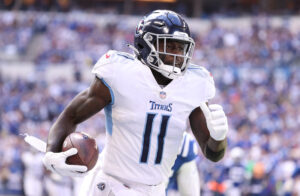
{"x": 83, "y": 106}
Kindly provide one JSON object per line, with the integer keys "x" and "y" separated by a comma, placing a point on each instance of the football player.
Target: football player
{"x": 147, "y": 98}
{"x": 185, "y": 176}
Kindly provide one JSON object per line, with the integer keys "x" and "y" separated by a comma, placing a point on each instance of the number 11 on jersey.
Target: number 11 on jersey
{"x": 147, "y": 136}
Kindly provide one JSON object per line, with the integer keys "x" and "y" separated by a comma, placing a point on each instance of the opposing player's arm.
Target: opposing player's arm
{"x": 83, "y": 106}
{"x": 213, "y": 149}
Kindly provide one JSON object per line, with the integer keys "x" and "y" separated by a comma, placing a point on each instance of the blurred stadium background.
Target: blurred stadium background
{"x": 252, "y": 48}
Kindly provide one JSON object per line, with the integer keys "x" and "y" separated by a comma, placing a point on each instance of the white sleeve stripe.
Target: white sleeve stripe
{"x": 186, "y": 147}
{"x": 182, "y": 145}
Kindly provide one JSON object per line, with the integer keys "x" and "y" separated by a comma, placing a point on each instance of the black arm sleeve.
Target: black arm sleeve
{"x": 214, "y": 156}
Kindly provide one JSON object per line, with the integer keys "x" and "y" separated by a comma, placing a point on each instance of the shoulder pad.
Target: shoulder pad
{"x": 106, "y": 58}
{"x": 202, "y": 72}
{"x": 125, "y": 55}
{"x": 113, "y": 56}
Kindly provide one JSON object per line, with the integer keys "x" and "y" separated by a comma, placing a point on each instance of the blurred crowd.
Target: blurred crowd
{"x": 15, "y": 34}
{"x": 61, "y": 38}
{"x": 257, "y": 74}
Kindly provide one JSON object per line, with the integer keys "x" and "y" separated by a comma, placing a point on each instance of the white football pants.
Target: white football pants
{"x": 97, "y": 183}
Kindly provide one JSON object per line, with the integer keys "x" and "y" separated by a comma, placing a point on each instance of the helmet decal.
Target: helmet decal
{"x": 139, "y": 27}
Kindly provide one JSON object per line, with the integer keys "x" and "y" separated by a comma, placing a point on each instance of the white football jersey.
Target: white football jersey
{"x": 144, "y": 122}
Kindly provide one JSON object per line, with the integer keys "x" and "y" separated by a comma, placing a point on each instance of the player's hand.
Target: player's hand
{"x": 216, "y": 120}
{"x": 56, "y": 162}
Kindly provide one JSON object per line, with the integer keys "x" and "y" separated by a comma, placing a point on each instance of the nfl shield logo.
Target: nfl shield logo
{"x": 101, "y": 186}
{"x": 162, "y": 94}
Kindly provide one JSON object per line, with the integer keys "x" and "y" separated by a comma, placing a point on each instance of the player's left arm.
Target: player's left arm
{"x": 209, "y": 126}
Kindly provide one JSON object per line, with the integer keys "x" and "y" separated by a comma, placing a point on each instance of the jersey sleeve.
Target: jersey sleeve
{"x": 204, "y": 80}
{"x": 189, "y": 148}
{"x": 188, "y": 151}
{"x": 104, "y": 69}
{"x": 210, "y": 89}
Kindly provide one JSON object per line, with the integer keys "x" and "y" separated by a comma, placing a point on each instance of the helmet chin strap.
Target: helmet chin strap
{"x": 135, "y": 51}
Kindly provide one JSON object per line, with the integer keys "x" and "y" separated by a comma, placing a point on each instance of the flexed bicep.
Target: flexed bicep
{"x": 89, "y": 102}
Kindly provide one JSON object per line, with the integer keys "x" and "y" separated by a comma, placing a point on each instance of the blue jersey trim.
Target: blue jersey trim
{"x": 108, "y": 119}
{"x": 108, "y": 110}
{"x": 110, "y": 90}
{"x": 123, "y": 55}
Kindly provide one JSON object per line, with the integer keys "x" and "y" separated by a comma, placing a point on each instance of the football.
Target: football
{"x": 87, "y": 149}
